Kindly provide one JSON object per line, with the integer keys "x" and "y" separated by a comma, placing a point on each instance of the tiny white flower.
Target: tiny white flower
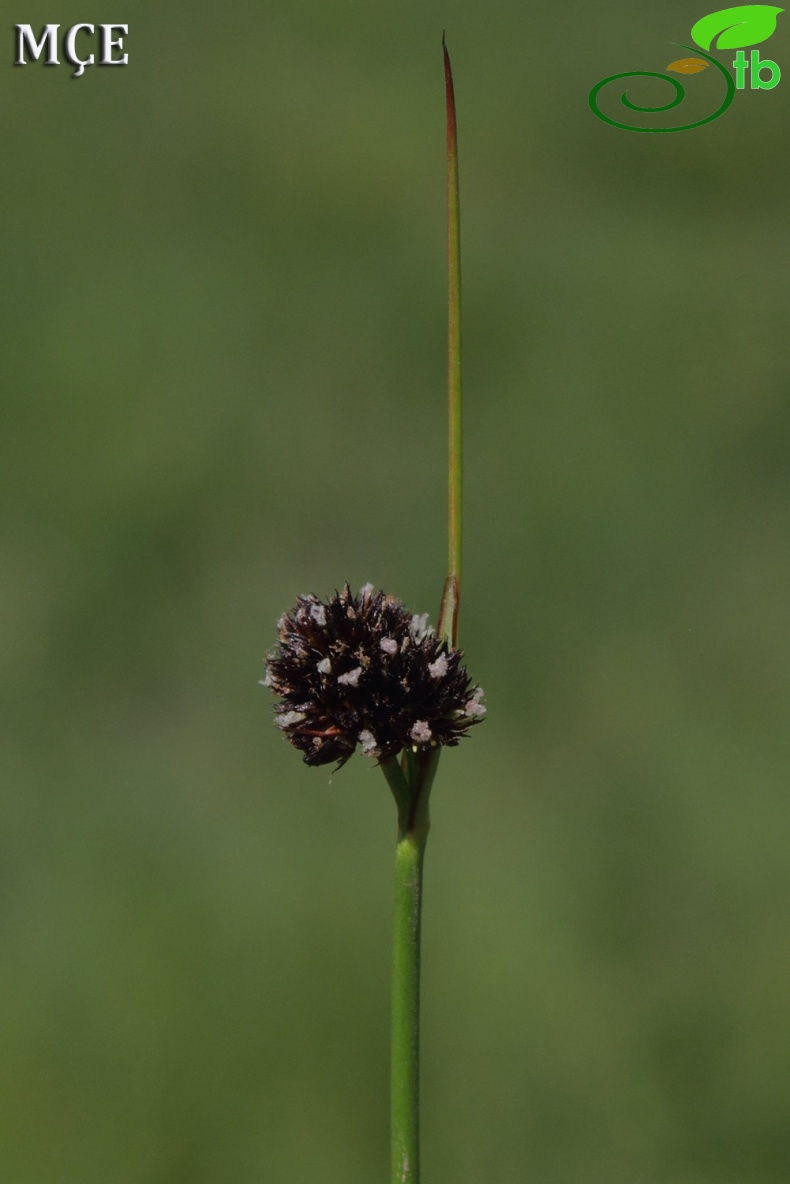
{"x": 421, "y": 732}
{"x": 368, "y": 742}
{"x": 324, "y": 666}
{"x": 289, "y": 718}
{"x": 389, "y": 645}
{"x": 420, "y": 627}
{"x": 438, "y": 669}
{"x": 318, "y": 613}
{"x": 351, "y": 678}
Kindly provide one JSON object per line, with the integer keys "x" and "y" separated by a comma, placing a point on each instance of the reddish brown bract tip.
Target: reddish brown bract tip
{"x": 450, "y": 96}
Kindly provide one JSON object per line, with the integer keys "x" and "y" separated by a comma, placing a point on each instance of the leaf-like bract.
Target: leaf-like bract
{"x": 688, "y": 66}
{"x": 748, "y": 24}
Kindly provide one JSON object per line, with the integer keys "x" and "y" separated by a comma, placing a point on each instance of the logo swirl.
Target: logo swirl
{"x": 680, "y": 95}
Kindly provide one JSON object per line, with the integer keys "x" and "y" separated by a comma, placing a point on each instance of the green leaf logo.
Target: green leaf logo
{"x": 748, "y": 24}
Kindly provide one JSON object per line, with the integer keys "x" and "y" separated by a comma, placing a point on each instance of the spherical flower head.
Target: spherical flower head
{"x": 362, "y": 670}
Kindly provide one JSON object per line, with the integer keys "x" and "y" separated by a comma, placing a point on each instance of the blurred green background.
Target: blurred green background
{"x": 222, "y": 374}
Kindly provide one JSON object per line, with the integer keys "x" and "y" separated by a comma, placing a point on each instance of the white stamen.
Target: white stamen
{"x": 438, "y": 669}
{"x": 324, "y": 666}
{"x": 289, "y": 718}
{"x": 389, "y": 645}
{"x": 365, "y": 591}
{"x": 474, "y": 706}
{"x": 351, "y": 678}
{"x": 266, "y": 681}
{"x": 421, "y": 732}
{"x": 420, "y": 627}
{"x": 368, "y": 742}
{"x": 318, "y": 613}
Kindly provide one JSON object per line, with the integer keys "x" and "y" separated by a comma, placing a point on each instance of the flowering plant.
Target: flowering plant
{"x": 362, "y": 671}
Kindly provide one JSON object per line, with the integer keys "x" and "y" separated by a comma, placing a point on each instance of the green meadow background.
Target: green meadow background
{"x": 222, "y": 384}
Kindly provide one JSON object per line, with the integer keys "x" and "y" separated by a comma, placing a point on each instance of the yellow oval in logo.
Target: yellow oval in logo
{"x": 688, "y": 66}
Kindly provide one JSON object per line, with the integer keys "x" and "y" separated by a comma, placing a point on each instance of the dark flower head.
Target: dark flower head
{"x": 362, "y": 670}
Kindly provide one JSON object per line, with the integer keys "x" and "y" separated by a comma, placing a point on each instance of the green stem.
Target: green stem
{"x": 413, "y": 827}
{"x": 406, "y": 1011}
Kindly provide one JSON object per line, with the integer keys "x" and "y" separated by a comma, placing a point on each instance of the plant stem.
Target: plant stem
{"x": 448, "y": 616}
{"x": 413, "y": 827}
{"x": 411, "y": 780}
{"x": 406, "y": 1011}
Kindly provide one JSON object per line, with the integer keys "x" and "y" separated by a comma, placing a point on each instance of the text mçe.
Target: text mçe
{"x": 25, "y": 39}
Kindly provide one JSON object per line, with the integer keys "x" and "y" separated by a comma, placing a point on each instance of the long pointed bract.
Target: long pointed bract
{"x": 448, "y": 616}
